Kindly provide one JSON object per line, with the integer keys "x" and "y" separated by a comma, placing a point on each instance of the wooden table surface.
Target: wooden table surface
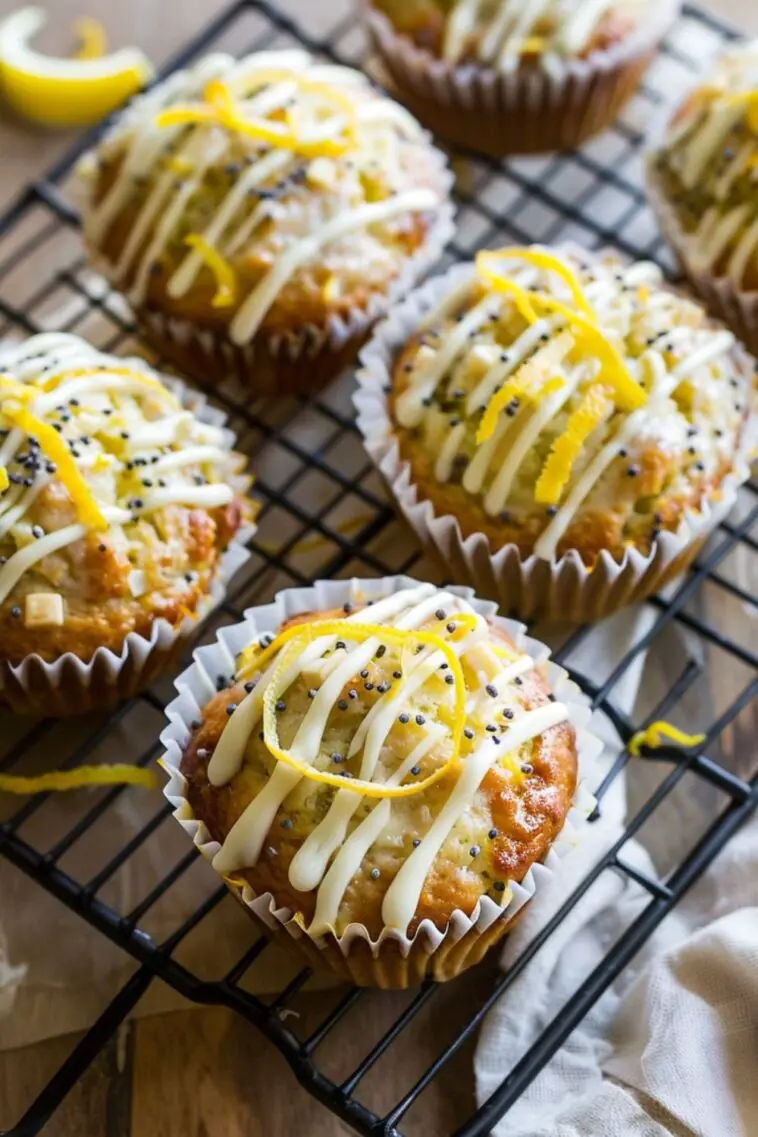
{"x": 197, "y": 1073}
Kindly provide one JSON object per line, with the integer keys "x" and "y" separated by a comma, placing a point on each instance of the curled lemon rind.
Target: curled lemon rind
{"x": 654, "y": 735}
{"x": 60, "y": 780}
{"x": 64, "y": 92}
{"x": 293, "y": 640}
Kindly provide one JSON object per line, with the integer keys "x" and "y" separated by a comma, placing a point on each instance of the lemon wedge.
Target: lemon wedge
{"x": 64, "y": 92}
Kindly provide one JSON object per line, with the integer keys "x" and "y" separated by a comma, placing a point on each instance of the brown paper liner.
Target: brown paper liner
{"x": 211, "y": 358}
{"x": 523, "y": 112}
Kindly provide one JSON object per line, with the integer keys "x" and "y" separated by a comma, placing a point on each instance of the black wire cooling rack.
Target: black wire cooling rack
{"x": 324, "y": 513}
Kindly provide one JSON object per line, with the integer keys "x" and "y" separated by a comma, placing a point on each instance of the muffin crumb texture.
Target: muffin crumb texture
{"x": 116, "y": 501}
{"x": 383, "y": 766}
{"x": 556, "y": 402}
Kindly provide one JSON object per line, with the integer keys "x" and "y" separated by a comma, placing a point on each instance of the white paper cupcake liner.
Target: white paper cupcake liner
{"x": 71, "y": 685}
{"x": 392, "y": 959}
{"x": 274, "y": 364}
{"x": 564, "y": 588}
{"x": 524, "y": 110}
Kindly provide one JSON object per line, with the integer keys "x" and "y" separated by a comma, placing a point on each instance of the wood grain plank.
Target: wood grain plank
{"x": 98, "y": 1106}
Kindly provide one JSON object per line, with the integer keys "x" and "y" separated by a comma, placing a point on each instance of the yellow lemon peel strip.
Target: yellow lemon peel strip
{"x": 93, "y": 42}
{"x": 4, "y": 479}
{"x": 221, "y": 109}
{"x": 629, "y": 394}
{"x": 595, "y": 406}
{"x": 655, "y": 734}
{"x": 76, "y": 91}
{"x": 254, "y": 658}
{"x": 226, "y": 280}
{"x": 541, "y": 258}
{"x": 490, "y": 275}
{"x": 119, "y": 774}
{"x": 297, "y": 643}
{"x": 54, "y": 447}
{"x": 529, "y": 381}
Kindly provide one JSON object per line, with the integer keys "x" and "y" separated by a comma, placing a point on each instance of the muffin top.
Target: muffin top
{"x": 708, "y": 168}
{"x": 507, "y": 33}
{"x": 116, "y": 500}
{"x": 383, "y": 765}
{"x": 556, "y": 401}
{"x": 268, "y": 192}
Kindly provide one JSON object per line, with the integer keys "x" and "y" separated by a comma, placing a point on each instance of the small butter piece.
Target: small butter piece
{"x": 331, "y": 290}
{"x": 425, "y": 354}
{"x": 43, "y": 610}
{"x": 322, "y": 173}
{"x": 481, "y": 357}
{"x": 137, "y": 581}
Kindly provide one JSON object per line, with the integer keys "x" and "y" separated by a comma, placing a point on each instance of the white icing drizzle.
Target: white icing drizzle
{"x": 402, "y": 896}
{"x": 99, "y": 412}
{"x": 517, "y": 353}
{"x": 709, "y": 147}
{"x": 245, "y": 839}
{"x": 443, "y": 467}
{"x": 714, "y": 234}
{"x": 351, "y": 851}
{"x": 513, "y": 23}
{"x": 251, "y": 314}
{"x": 204, "y": 147}
{"x": 331, "y": 853}
{"x": 30, "y": 555}
{"x": 410, "y": 405}
{"x": 497, "y": 495}
{"x": 632, "y": 309}
{"x": 228, "y": 756}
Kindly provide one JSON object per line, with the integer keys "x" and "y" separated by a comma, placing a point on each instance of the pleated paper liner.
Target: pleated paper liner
{"x": 530, "y": 109}
{"x": 393, "y": 959}
{"x": 72, "y": 685}
{"x": 565, "y": 588}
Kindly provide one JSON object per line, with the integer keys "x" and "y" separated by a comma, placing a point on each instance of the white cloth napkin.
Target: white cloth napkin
{"x": 671, "y": 1050}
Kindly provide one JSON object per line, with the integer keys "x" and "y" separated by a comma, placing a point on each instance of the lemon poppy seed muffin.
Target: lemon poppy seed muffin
{"x": 118, "y": 503}
{"x": 384, "y": 772}
{"x": 703, "y": 178}
{"x": 514, "y": 76}
{"x": 550, "y": 407}
{"x": 261, "y": 213}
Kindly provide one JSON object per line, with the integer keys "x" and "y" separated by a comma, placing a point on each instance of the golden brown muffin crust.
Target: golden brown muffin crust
{"x": 528, "y": 813}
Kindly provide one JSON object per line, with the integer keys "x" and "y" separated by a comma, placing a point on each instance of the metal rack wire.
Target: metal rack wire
{"x": 325, "y": 514}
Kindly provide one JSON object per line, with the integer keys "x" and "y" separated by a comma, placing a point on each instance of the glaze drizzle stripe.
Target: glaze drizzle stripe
{"x": 512, "y": 25}
{"x": 206, "y": 143}
{"x": 310, "y": 868}
{"x": 59, "y": 379}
